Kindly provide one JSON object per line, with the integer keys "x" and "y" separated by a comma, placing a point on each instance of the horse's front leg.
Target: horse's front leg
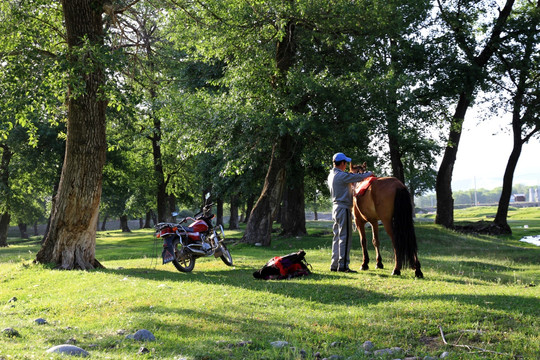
{"x": 361, "y": 226}
{"x": 376, "y": 243}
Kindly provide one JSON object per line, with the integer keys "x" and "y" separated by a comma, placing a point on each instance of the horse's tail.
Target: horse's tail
{"x": 403, "y": 227}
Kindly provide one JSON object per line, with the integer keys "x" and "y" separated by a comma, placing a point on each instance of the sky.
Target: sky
{"x": 483, "y": 153}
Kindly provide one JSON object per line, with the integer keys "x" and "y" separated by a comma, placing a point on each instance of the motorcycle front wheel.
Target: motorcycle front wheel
{"x": 184, "y": 262}
{"x": 226, "y": 254}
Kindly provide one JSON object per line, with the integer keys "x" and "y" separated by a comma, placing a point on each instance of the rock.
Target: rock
{"x": 68, "y": 350}
{"x": 13, "y": 299}
{"x": 444, "y": 355}
{"x": 368, "y": 345}
{"x": 11, "y": 332}
{"x": 143, "y": 350}
{"x": 317, "y": 355}
{"x": 130, "y": 337}
{"x": 429, "y": 358}
{"x": 382, "y": 352}
{"x": 144, "y": 335}
{"x": 335, "y": 344}
{"x": 40, "y": 321}
{"x": 335, "y": 357}
{"x": 279, "y": 344}
{"x": 71, "y": 341}
{"x": 303, "y": 353}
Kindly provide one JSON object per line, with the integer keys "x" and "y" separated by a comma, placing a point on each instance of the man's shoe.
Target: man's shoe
{"x": 331, "y": 269}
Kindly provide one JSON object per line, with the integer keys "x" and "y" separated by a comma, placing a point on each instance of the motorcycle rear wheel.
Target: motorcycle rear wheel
{"x": 184, "y": 264}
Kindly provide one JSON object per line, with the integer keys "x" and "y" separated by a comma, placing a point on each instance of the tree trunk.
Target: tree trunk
{"x": 104, "y": 222}
{"x": 36, "y": 231}
{"x": 471, "y": 79}
{"x": 518, "y": 116}
{"x": 124, "y": 223}
{"x": 219, "y": 211}
{"x": 392, "y": 117}
{"x": 259, "y": 226}
{"x": 23, "y": 230}
{"x": 148, "y": 219}
{"x": 233, "y": 221}
{"x": 443, "y": 187}
{"x": 293, "y": 220}
{"x": 4, "y": 227}
{"x": 249, "y": 207}
{"x": 71, "y": 240}
{"x": 7, "y": 154}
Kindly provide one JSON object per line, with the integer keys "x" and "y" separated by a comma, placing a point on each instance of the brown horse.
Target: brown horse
{"x": 386, "y": 199}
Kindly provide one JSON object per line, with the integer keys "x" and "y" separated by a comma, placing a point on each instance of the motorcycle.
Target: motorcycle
{"x": 182, "y": 244}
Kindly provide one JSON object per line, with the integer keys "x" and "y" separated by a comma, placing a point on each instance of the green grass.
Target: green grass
{"x": 482, "y": 290}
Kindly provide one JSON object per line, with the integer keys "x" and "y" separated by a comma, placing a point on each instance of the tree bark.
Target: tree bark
{"x": 124, "y": 223}
{"x": 249, "y": 207}
{"x": 219, "y": 211}
{"x": 7, "y": 154}
{"x": 259, "y": 226}
{"x": 519, "y": 114}
{"x": 148, "y": 219}
{"x": 445, "y": 201}
{"x": 293, "y": 220}
{"x": 471, "y": 79}
{"x": 23, "y": 230}
{"x": 234, "y": 220}
{"x": 4, "y": 227}
{"x": 71, "y": 241}
{"x": 104, "y": 222}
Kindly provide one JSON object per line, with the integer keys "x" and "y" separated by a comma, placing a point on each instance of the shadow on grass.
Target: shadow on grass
{"x": 308, "y": 288}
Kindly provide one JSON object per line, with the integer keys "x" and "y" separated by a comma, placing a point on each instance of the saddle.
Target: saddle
{"x": 361, "y": 187}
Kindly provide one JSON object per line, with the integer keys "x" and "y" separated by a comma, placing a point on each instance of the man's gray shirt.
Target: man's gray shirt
{"x": 339, "y": 183}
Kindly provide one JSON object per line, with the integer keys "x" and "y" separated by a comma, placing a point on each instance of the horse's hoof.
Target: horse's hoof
{"x": 364, "y": 267}
{"x": 380, "y": 266}
{"x": 419, "y": 274}
{"x": 396, "y": 272}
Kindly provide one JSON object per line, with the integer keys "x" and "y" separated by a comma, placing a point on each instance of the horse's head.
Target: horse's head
{"x": 359, "y": 169}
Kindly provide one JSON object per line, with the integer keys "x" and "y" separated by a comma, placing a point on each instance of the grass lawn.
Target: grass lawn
{"x": 483, "y": 291}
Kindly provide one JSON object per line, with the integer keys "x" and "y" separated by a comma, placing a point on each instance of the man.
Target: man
{"x": 341, "y": 191}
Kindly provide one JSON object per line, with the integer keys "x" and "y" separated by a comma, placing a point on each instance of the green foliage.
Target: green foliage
{"x": 476, "y": 288}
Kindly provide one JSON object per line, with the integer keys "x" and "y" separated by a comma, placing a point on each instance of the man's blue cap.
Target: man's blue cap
{"x": 340, "y": 156}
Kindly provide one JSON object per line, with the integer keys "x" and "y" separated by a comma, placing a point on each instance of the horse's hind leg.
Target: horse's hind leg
{"x": 376, "y": 243}
{"x": 388, "y": 227}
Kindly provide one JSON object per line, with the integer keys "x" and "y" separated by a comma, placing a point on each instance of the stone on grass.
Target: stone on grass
{"x": 11, "y": 332}
{"x": 144, "y": 335}
{"x": 382, "y": 352}
{"x": 279, "y": 344}
{"x": 68, "y": 350}
{"x": 368, "y": 345}
{"x": 40, "y": 321}
{"x": 143, "y": 350}
{"x": 444, "y": 355}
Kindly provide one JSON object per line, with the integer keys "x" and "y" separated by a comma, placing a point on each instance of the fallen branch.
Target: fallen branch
{"x": 468, "y": 347}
